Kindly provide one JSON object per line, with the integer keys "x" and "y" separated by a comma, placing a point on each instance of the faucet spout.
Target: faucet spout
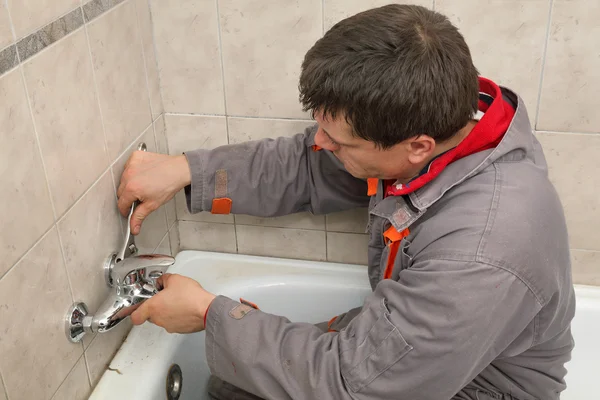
{"x": 133, "y": 281}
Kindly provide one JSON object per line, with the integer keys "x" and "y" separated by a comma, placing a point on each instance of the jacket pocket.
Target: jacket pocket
{"x": 369, "y": 346}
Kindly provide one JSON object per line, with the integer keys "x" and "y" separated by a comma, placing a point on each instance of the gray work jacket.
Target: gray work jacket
{"x": 480, "y": 299}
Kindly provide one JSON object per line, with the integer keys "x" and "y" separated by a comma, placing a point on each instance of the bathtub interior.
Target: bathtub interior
{"x": 302, "y": 291}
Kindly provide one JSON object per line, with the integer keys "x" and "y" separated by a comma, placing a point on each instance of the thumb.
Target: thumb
{"x": 142, "y": 314}
{"x": 139, "y": 215}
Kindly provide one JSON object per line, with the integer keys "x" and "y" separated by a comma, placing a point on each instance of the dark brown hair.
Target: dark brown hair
{"x": 393, "y": 72}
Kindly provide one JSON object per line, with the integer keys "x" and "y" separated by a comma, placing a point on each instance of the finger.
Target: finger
{"x": 142, "y": 314}
{"x": 138, "y": 217}
{"x": 125, "y": 202}
{"x": 162, "y": 280}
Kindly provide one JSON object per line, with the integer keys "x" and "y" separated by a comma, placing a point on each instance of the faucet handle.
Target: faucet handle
{"x": 147, "y": 267}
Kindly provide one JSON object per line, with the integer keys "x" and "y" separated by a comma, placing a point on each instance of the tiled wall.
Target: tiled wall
{"x": 229, "y": 71}
{"x": 78, "y": 90}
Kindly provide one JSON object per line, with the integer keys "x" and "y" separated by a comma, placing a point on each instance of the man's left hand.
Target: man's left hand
{"x": 178, "y": 308}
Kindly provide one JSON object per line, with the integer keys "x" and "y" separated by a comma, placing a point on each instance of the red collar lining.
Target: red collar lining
{"x": 487, "y": 134}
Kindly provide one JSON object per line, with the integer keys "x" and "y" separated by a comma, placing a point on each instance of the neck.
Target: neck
{"x": 454, "y": 141}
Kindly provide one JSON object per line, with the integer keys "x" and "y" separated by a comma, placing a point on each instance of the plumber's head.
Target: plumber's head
{"x": 388, "y": 88}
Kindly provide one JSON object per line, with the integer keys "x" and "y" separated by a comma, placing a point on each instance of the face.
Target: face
{"x": 363, "y": 159}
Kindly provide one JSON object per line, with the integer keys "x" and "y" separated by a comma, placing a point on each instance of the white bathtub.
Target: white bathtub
{"x": 302, "y": 291}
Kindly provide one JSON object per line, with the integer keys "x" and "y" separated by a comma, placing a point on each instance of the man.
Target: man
{"x": 468, "y": 257}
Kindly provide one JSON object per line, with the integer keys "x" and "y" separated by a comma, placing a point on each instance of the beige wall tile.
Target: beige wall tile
{"x": 354, "y": 221}
{"x": 30, "y": 15}
{"x": 190, "y": 132}
{"x": 6, "y": 36}
{"x": 90, "y": 232}
{"x": 119, "y": 65}
{"x": 154, "y": 226}
{"x": 145, "y": 21}
{"x": 174, "y": 239}
{"x": 264, "y": 42}
{"x": 586, "y": 267}
{"x": 281, "y": 242}
{"x": 336, "y": 10}
{"x": 571, "y": 74}
{"x": 302, "y": 220}
{"x": 573, "y": 165}
{"x": 187, "y": 46}
{"x": 77, "y": 384}
{"x": 67, "y": 117}
{"x": 171, "y": 210}
{"x": 245, "y": 129}
{"x": 34, "y": 297}
{"x": 347, "y": 248}
{"x": 153, "y": 230}
{"x": 103, "y": 348}
{"x": 164, "y": 247}
{"x": 26, "y": 211}
{"x": 512, "y": 56}
{"x": 207, "y": 236}
{"x": 160, "y": 132}
{"x": 2, "y": 391}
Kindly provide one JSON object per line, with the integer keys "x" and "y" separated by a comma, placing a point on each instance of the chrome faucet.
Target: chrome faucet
{"x": 132, "y": 278}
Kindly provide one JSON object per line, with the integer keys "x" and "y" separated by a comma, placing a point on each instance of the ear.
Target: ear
{"x": 420, "y": 148}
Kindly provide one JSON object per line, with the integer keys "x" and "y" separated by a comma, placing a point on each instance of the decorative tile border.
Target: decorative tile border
{"x": 8, "y": 59}
{"x": 49, "y": 34}
{"x": 29, "y": 46}
{"x": 95, "y": 8}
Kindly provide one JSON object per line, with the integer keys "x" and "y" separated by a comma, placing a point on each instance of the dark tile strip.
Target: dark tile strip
{"x": 8, "y": 59}
{"x": 53, "y": 32}
{"x": 49, "y": 34}
{"x": 97, "y": 7}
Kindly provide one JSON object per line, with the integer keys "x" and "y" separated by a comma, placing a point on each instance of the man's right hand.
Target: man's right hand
{"x": 153, "y": 179}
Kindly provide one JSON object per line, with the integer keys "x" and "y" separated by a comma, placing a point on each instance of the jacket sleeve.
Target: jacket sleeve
{"x": 273, "y": 177}
{"x": 423, "y": 337}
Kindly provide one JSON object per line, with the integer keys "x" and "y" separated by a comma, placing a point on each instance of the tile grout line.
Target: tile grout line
{"x": 39, "y": 144}
{"x": 106, "y": 170}
{"x": 15, "y": 41}
{"x": 543, "y": 68}
{"x": 156, "y": 63}
{"x": 222, "y": 61}
{"x": 39, "y": 28}
{"x": 4, "y": 386}
{"x": 139, "y": 30}
{"x": 235, "y": 234}
{"x": 12, "y": 26}
{"x": 543, "y": 131}
{"x": 237, "y": 116}
{"x": 322, "y": 17}
{"x": 162, "y": 239}
{"x": 433, "y": 5}
{"x": 67, "y": 376}
{"x": 165, "y": 214}
{"x": 87, "y": 366}
{"x": 101, "y": 114}
{"x": 29, "y": 250}
{"x": 106, "y": 149}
